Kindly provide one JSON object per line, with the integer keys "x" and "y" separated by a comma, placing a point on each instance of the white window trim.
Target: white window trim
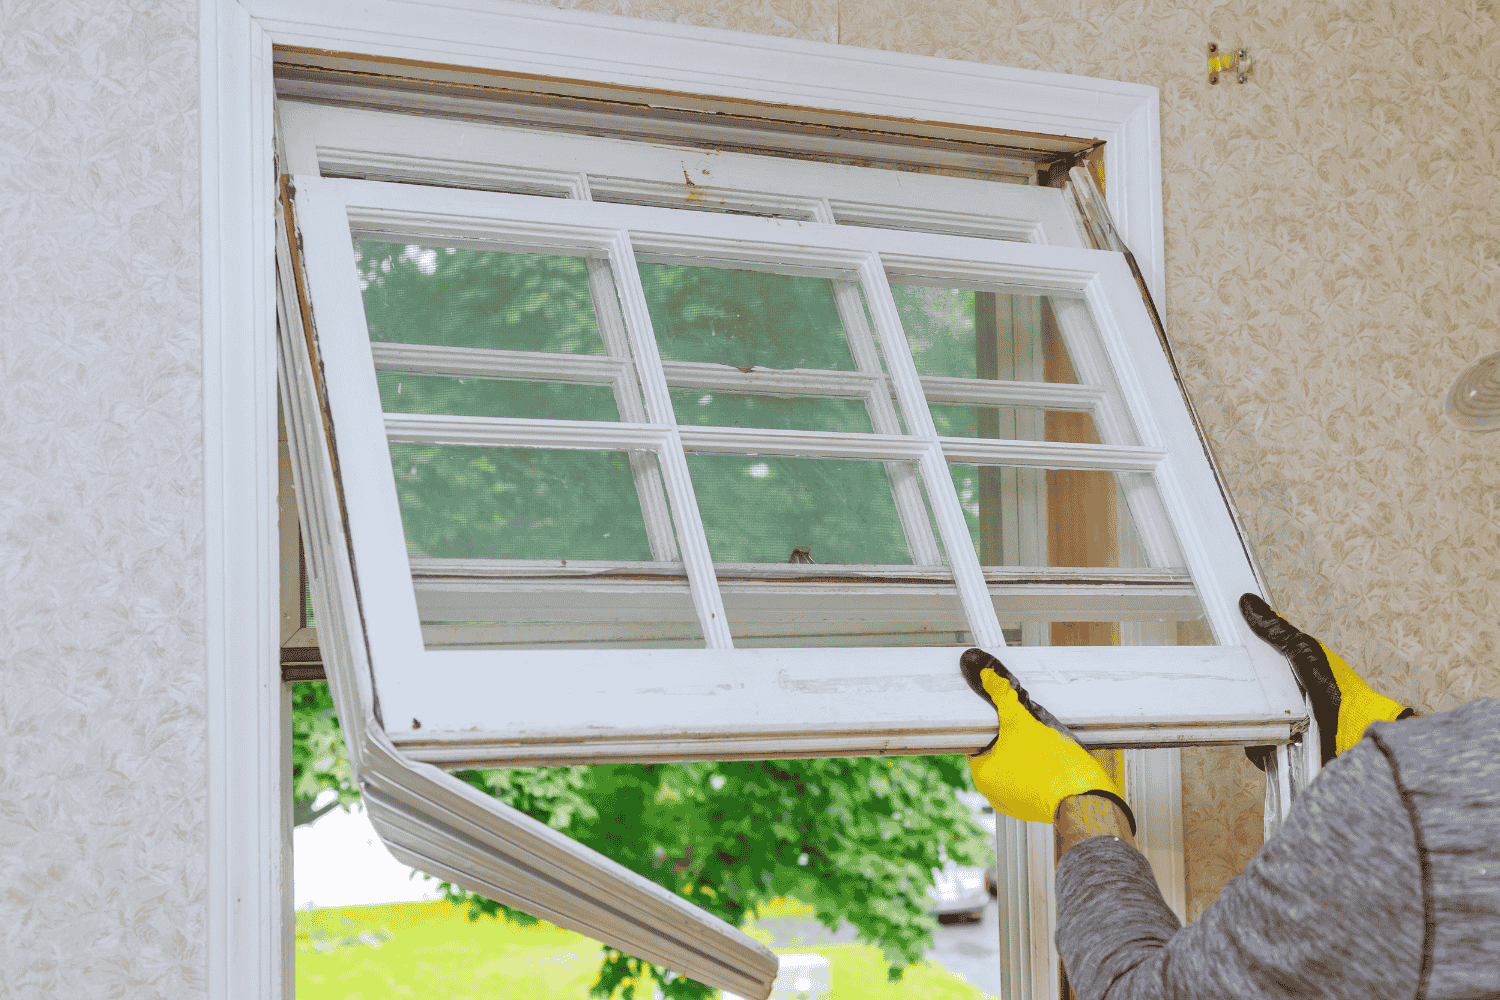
{"x": 249, "y": 951}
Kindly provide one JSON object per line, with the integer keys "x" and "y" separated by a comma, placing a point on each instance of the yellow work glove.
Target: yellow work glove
{"x": 1034, "y": 761}
{"x": 1342, "y": 703}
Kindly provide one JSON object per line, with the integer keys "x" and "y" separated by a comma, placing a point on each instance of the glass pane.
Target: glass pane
{"x": 460, "y": 297}
{"x": 801, "y": 612}
{"x": 812, "y": 552}
{"x": 403, "y": 392}
{"x": 1051, "y": 517}
{"x": 518, "y": 503}
{"x": 737, "y": 409}
{"x": 557, "y": 626}
{"x": 534, "y": 610}
{"x": 959, "y": 333}
{"x": 1181, "y": 627}
{"x": 766, "y": 509}
{"x": 745, "y": 319}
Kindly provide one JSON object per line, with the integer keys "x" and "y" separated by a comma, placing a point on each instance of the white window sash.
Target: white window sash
{"x": 551, "y": 706}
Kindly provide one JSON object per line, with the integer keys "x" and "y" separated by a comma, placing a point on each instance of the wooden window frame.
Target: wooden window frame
{"x": 1238, "y": 690}
{"x": 248, "y": 898}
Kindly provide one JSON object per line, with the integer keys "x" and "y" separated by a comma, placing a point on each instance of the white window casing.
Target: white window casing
{"x": 535, "y": 43}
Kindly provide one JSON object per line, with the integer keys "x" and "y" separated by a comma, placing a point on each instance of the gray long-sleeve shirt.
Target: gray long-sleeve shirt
{"x": 1383, "y": 882}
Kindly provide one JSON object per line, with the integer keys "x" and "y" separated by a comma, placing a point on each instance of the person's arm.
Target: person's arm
{"x": 1080, "y": 817}
{"x": 1331, "y": 907}
{"x": 1312, "y": 915}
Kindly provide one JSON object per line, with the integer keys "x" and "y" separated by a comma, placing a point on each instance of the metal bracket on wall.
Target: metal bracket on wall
{"x": 1235, "y": 61}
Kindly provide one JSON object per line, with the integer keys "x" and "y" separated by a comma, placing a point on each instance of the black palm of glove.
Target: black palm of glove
{"x": 1342, "y": 703}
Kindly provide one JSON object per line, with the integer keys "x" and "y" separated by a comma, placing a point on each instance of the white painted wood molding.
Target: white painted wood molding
{"x": 249, "y": 927}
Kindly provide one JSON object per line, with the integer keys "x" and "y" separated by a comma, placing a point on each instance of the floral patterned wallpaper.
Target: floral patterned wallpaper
{"x": 102, "y": 777}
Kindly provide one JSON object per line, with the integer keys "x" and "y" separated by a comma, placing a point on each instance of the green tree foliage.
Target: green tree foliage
{"x": 319, "y": 761}
{"x": 855, "y": 838}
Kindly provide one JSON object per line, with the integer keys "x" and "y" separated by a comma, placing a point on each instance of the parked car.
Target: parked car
{"x": 961, "y": 892}
{"x": 984, "y": 815}
{"x": 958, "y": 893}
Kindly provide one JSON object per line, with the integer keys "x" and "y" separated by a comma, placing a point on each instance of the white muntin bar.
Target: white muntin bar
{"x": 523, "y": 432}
{"x": 649, "y": 488}
{"x": 825, "y": 606}
{"x": 1016, "y": 577}
{"x": 905, "y": 486}
{"x": 1051, "y": 454}
{"x": 987, "y": 392}
{"x": 604, "y": 435}
{"x": 704, "y": 197}
{"x": 691, "y": 539}
{"x": 938, "y": 221}
{"x": 407, "y": 167}
{"x": 967, "y": 574}
{"x": 771, "y": 381}
{"x": 591, "y": 369}
{"x": 800, "y": 444}
{"x": 483, "y": 362}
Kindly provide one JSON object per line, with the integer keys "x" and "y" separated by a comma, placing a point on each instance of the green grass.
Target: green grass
{"x": 431, "y": 951}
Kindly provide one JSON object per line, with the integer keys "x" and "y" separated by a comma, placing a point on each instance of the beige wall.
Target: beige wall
{"x": 102, "y": 778}
{"x": 1329, "y": 240}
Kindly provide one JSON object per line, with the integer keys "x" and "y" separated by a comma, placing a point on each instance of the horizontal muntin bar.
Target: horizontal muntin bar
{"x": 591, "y": 369}
{"x": 932, "y": 220}
{"x": 477, "y": 362}
{"x": 1051, "y": 455}
{"x": 669, "y": 635}
{"x": 372, "y": 165}
{"x": 597, "y": 435}
{"x": 521, "y": 237}
{"x": 670, "y": 194}
{"x": 515, "y": 432}
{"x": 987, "y": 392}
{"x": 800, "y": 444}
{"x": 770, "y": 381}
